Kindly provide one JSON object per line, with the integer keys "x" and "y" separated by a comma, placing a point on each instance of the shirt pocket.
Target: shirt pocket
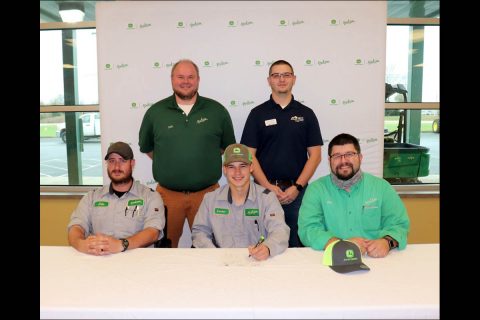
{"x": 371, "y": 218}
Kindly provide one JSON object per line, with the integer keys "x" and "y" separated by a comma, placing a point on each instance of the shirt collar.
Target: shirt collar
{"x": 133, "y": 188}
{"x": 226, "y": 195}
{"x": 347, "y": 184}
{"x": 289, "y": 106}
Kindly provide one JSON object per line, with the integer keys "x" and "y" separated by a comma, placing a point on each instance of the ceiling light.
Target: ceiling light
{"x": 71, "y": 11}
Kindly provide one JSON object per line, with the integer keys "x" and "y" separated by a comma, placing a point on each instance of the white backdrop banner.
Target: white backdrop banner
{"x": 337, "y": 50}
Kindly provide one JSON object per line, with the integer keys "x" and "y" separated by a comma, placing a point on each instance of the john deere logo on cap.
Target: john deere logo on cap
{"x": 236, "y": 150}
{"x": 349, "y": 254}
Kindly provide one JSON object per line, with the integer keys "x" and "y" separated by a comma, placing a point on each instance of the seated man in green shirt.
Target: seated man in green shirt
{"x": 241, "y": 214}
{"x": 352, "y": 205}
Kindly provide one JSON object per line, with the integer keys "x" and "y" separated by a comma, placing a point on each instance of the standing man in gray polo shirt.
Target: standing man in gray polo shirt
{"x": 120, "y": 216}
{"x": 242, "y": 213}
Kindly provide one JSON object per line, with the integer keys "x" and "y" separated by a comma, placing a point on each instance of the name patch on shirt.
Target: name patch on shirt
{"x": 101, "y": 204}
{"x": 221, "y": 211}
{"x": 251, "y": 212}
{"x": 135, "y": 202}
{"x": 270, "y": 122}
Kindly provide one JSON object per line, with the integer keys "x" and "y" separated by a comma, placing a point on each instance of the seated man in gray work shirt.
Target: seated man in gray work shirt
{"x": 239, "y": 214}
{"x": 120, "y": 216}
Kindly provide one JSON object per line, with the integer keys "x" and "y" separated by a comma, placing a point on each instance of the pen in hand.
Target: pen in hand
{"x": 262, "y": 238}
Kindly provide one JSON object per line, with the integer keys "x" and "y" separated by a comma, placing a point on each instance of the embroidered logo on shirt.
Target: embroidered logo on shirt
{"x": 202, "y": 120}
{"x": 221, "y": 211}
{"x": 296, "y": 119}
{"x": 135, "y": 202}
{"x": 101, "y": 204}
{"x": 251, "y": 212}
{"x": 170, "y": 126}
{"x": 270, "y": 122}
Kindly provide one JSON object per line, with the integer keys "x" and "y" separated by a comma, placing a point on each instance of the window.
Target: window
{"x": 70, "y": 151}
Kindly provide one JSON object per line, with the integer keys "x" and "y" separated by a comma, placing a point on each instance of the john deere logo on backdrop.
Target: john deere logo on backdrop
{"x": 370, "y": 140}
{"x": 259, "y": 63}
{"x": 206, "y": 63}
{"x": 180, "y": 24}
{"x": 358, "y": 62}
{"x": 145, "y": 25}
{"x": 233, "y": 103}
{"x": 333, "y": 22}
{"x": 122, "y": 65}
{"x": 133, "y": 105}
{"x": 283, "y": 23}
{"x": 108, "y": 66}
{"x": 248, "y": 103}
{"x": 232, "y": 23}
{"x": 130, "y": 26}
{"x": 373, "y": 61}
{"x": 308, "y": 62}
{"x": 156, "y": 65}
{"x": 333, "y": 102}
{"x": 147, "y": 105}
{"x": 348, "y": 21}
{"x": 348, "y": 101}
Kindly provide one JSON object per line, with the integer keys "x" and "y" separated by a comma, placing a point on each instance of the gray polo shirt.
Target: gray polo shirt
{"x": 102, "y": 211}
{"x": 221, "y": 223}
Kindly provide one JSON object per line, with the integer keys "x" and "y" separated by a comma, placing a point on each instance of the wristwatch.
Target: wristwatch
{"x": 391, "y": 242}
{"x": 125, "y": 244}
{"x": 299, "y": 186}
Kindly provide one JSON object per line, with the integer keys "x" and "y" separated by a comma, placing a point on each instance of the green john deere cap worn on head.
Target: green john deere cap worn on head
{"x": 236, "y": 152}
{"x": 344, "y": 256}
{"x": 122, "y": 149}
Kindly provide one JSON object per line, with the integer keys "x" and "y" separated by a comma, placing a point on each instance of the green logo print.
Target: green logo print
{"x": 236, "y": 150}
{"x": 349, "y": 253}
{"x": 156, "y": 64}
{"x": 282, "y": 22}
{"x": 221, "y": 211}
{"x": 231, "y": 22}
{"x": 101, "y": 204}
{"x": 251, "y": 212}
{"x": 108, "y": 66}
{"x": 206, "y": 63}
{"x": 333, "y": 101}
{"x": 308, "y": 61}
{"x": 358, "y": 61}
{"x": 135, "y": 202}
{"x": 130, "y": 26}
{"x": 333, "y": 21}
{"x": 257, "y": 62}
{"x": 180, "y": 24}
{"x": 233, "y": 102}
{"x": 134, "y": 104}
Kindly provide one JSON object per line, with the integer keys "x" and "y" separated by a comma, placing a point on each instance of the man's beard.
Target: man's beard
{"x": 347, "y": 177}
{"x": 124, "y": 180}
{"x": 185, "y": 97}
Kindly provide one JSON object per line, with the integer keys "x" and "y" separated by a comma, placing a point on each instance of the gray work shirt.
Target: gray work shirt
{"x": 102, "y": 211}
{"x": 221, "y": 223}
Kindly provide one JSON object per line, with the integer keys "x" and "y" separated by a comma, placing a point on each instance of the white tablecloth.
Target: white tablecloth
{"x": 225, "y": 283}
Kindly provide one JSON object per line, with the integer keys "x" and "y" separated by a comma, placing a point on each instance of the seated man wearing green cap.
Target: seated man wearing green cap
{"x": 241, "y": 214}
{"x": 122, "y": 215}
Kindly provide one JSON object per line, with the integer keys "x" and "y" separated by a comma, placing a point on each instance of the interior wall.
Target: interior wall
{"x": 55, "y": 214}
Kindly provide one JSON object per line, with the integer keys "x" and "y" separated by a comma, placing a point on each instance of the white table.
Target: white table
{"x": 225, "y": 283}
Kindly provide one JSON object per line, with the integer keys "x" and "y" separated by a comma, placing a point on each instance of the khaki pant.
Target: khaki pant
{"x": 181, "y": 205}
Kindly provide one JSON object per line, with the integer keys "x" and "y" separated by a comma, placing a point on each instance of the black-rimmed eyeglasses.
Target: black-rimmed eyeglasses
{"x": 346, "y": 155}
{"x": 285, "y": 75}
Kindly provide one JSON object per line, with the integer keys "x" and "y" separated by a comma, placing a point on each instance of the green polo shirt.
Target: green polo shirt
{"x": 186, "y": 149}
{"x": 372, "y": 209}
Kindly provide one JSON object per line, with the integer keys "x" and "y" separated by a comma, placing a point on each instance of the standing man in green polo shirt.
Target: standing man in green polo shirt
{"x": 185, "y": 135}
{"x": 353, "y": 205}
